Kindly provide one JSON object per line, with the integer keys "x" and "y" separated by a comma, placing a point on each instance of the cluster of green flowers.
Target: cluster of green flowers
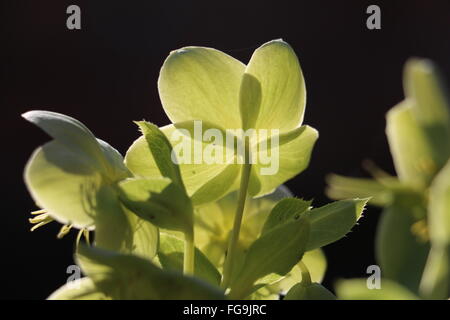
{"x": 413, "y": 237}
{"x": 168, "y": 230}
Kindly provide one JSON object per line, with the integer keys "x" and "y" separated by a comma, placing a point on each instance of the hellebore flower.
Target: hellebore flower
{"x": 415, "y": 202}
{"x": 73, "y": 178}
{"x": 203, "y": 84}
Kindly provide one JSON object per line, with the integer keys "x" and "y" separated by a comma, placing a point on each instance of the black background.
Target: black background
{"x": 105, "y": 75}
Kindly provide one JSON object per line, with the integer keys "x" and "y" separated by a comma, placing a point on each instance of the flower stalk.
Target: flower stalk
{"x": 234, "y": 239}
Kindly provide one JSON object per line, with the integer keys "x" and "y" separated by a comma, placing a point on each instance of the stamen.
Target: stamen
{"x": 39, "y": 211}
{"x": 41, "y": 218}
{"x": 86, "y": 236}
{"x": 40, "y": 224}
{"x": 420, "y": 230}
{"x": 85, "y": 233}
{"x": 65, "y": 229}
{"x": 77, "y": 241}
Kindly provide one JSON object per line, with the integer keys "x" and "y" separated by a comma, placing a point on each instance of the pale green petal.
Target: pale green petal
{"x": 439, "y": 208}
{"x": 275, "y": 67}
{"x": 249, "y": 101}
{"x": 70, "y": 133}
{"x": 130, "y": 277}
{"x": 204, "y": 182}
{"x": 435, "y": 282}
{"x": 412, "y": 155}
{"x": 284, "y": 162}
{"x": 64, "y": 183}
{"x": 356, "y": 289}
{"x": 431, "y": 105}
{"x": 80, "y": 289}
{"x": 116, "y": 169}
{"x": 197, "y": 83}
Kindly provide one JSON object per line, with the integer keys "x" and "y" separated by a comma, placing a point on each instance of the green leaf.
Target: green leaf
{"x": 400, "y": 253}
{"x": 285, "y": 161}
{"x": 170, "y": 254}
{"x": 431, "y": 105}
{"x": 356, "y": 289}
{"x": 276, "y": 252}
{"x": 333, "y": 221}
{"x": 204, "y": 182}
{"x": 411, "y": 152}
{"x": 311, "y": 291}
{"x": 275, "y": 67}
{"x": 161, "y": 150}
{"x": 153, "y": 200}
{"x": 197, "y": 83}
{"x": 284, "y": 211}
{"x": 122, "y": 276}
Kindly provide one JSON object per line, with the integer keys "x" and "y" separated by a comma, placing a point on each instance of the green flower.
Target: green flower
{"x": 415, "y": 202}
{"x": 204, "y": 84}
{"x": 73, "y": 178}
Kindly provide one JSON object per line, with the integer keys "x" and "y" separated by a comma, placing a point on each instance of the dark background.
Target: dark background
{"x": 105, "y": 76}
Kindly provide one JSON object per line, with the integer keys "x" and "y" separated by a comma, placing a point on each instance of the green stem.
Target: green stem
{"x": 306, "y": 277}
{"x": 189, "y": 253}
{"x": 232, "y": 244}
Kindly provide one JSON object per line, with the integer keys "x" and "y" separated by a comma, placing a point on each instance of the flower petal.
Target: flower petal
{"x": 411, "y": 152}
{"x": 204, "y": 182}
{"x": 81, "y": 289}
{"x": 64, "y": 183}
{"x": 276, "y": 80}
{"x": 198, "y": 83}
{"x": 69, "y": 132}
{"x": 285, "y": 161}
